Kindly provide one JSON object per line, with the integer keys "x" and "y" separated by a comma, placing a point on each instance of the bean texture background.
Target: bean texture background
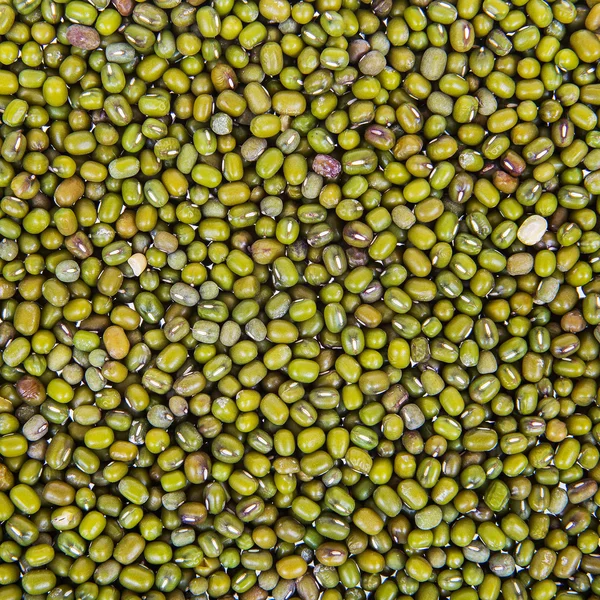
{"x": 299, "y": 300}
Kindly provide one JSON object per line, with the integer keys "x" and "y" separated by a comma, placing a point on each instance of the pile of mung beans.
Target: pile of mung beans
{"x": 299, "y": 300}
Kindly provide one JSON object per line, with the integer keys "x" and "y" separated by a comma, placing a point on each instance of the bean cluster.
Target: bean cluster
{"x": 299, "y": 300}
